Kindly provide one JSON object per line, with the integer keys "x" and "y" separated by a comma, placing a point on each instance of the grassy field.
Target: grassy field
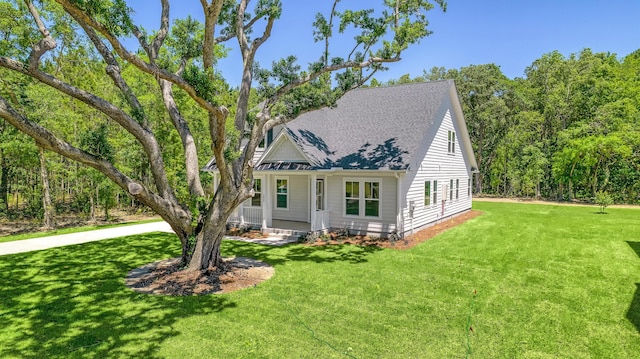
{"x": 551, "y": 282}
{"x": 55, "y": 232}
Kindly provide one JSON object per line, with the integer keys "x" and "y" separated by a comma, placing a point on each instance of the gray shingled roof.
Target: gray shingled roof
{"x": 370, "y": 128}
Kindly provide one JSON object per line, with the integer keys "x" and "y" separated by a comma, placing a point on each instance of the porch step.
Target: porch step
{"x": 285, "y": 233}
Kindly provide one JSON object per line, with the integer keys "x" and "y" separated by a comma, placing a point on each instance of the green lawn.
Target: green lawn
{"x": 551, "y": 282}
{"x": 55, "y": 232}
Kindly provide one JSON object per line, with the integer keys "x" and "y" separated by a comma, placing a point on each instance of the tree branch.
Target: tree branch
{"x": 151, "y": 69}
{"x": 45, "y": 44}
{"x": 146, "y": 139}
{"x": 168, "y": 209}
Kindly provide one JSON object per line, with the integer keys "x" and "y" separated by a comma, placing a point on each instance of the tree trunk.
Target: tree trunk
{"x": 4, "y": 185}
{"x": 49, "y": 210}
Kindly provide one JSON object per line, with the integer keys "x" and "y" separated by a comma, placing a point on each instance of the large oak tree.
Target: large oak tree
{"x": 183, "y": 57}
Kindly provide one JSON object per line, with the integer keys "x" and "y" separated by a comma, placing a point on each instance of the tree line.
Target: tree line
{"x": 567, "y": 130}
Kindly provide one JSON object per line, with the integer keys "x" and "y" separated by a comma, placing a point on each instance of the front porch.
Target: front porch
{"x": 284, "y": 204}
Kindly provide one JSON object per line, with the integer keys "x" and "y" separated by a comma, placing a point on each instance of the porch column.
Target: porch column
{"x": 266, "y": 202}
{"x": 314, "y": 198}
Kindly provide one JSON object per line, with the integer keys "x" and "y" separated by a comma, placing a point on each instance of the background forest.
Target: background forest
{"x": 568, "y": 129}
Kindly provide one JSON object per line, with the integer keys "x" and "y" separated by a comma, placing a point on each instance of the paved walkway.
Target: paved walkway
{"x": 36, "y": 244}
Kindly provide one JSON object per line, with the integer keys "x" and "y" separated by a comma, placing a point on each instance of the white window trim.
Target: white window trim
{"x": 457, "y": 189}
{"x": 361, "y": 197}
{"x": 249, "y": 202}
{"x": 324, "y": 190}
{"x": 435, "y": 193}
{"x": 275, "y": 194}
{"x": 451, "y": 190}
{"x": 451, "y": 142}
{"x": 430, "y": 194}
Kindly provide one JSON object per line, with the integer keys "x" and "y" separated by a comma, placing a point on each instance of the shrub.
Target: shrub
{"x": 604, "y": 200}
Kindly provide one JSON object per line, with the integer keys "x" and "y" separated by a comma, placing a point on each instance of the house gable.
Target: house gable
{"x": 283, "y": 150}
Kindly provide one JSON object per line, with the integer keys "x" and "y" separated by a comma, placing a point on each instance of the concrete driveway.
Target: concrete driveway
{"x": 36, "y": 244}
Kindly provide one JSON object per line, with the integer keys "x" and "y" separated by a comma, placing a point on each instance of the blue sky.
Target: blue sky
{"x": 509, "y": 33}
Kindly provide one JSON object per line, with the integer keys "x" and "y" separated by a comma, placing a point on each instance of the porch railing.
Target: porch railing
{"x": 253, "y": 215}
{"x": 321, "y": 221}
{"x": 250, "y": 215}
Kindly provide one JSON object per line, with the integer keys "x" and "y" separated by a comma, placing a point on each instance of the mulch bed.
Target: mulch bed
{"x": 166, "y": 277}
{"x": 404, "y": 243}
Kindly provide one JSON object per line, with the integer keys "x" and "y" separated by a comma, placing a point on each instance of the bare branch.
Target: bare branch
{"x": 327, "y": 69}
{"x": 162, "y": 32}
{"x": 136, "y": 61}
{"x": 45, "y": 44}
{"x": 211, "y": 15}
{"x": 232, "y": 34}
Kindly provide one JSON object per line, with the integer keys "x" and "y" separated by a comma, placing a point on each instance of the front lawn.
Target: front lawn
{"x": 551, "y": 282}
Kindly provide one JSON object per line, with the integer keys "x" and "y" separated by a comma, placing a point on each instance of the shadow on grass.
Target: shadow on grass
{"x": 72, "y": 302}
{"x": 296, "y": 252}
{"x": 634, "y": 308}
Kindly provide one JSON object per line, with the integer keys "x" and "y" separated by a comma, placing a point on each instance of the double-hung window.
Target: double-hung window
{"x": 435, "y": 192}
{"x": 319, "y": 194}
{"x": 457, "y": 188}
{"x": 256, "y": 200}
{"x": 451, "y": 142}
{"x": 469, "y": 187}
{"x": 372, "y": 199}
{"x": 362, "y": 198}
{"x": 352, "y": 198}
{"x": 427, "y": 193}
{"x": 450, "y": 190}
{"x": 282, "y": 193}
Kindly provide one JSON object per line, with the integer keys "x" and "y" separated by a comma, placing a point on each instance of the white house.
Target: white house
{"x": 384, "y": 159}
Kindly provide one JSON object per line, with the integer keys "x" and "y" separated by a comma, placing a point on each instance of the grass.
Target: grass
{"x": 55, "y": 232}
{"x": 551, "y": 282}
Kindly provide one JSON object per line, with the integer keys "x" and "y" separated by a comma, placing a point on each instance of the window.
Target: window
{"x": 362, "y": 198}
{"x": 371, "y": 199}
{"x": 282, "y": 193}
{"x": 469, "y": 187}
{"x": 256, "y": 200}
{"x": 352, "y": 198}
{"x": 319, "y": 195}
{"x": 427, "y": 193}
{"x": 457, "y": 188}
{"x": 450, "y": 190}
{"x": 451, "y": 146}
{"x": 266, "y": 141}
{"x": 435, "y": 192}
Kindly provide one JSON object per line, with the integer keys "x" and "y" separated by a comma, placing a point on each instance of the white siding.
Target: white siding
{"x": 442, "y": 166}
{"x": 388, "y": 202}
{"x": 285, "y": 151}
{"x": 298, "y": 199}
{"x": 260, "y": 151}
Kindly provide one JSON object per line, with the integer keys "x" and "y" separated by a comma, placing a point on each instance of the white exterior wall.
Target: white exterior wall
{"x": 298, "y": 198}
{"x": 381, "y": 225}
{"x": 286, "y": 151}
{"x": 260, "y": 151}
{"x": 442, "y": 166}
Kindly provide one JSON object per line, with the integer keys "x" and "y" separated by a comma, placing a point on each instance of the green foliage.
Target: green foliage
{"x": 115, "y": 15}
{"x": 604, "y": 200}
{"x": 568, "y": 129}
{"x": 95, "y": 141}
